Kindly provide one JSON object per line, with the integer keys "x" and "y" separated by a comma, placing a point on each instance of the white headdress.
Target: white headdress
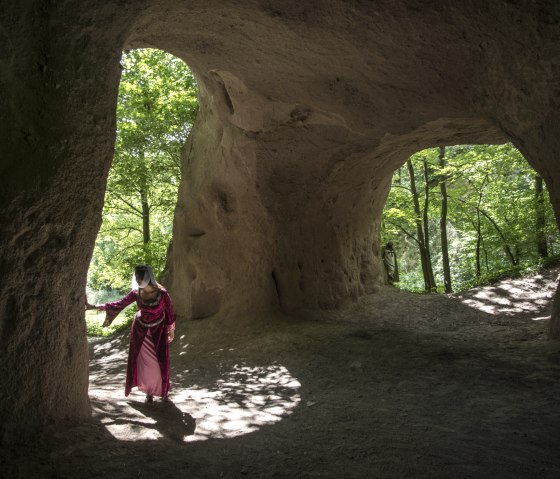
{"x": 142, "y": 277}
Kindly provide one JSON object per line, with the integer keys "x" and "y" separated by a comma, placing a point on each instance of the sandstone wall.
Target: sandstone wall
{"x": 306, "y": 109}
{"x": 59, "y": 75}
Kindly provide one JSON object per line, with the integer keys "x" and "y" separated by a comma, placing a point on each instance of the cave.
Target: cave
{"x": 306, "y": 109}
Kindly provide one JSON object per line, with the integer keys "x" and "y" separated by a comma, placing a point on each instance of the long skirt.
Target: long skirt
{"x": 148, "y": 369}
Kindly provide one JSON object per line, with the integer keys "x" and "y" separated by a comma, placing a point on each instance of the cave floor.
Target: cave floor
{"x": 396, "y": 385}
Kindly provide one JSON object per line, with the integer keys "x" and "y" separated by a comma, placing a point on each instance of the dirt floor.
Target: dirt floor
{"x": 398, "y": 385}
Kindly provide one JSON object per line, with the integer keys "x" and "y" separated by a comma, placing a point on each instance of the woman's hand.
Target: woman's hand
{"x": 107, "y": 322}
{"x": 90, "y": 306}
{"x": 171, "y": 334}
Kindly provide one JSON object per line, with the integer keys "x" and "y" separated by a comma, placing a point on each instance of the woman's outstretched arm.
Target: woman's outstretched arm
{"x": 113, "y": 308}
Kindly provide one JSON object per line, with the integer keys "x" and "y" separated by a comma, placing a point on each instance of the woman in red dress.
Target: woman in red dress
{"x": 152, "y": 330}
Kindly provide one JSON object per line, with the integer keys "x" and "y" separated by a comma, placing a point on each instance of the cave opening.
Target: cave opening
{"x": 463, "y": 215}
{"x": 156, "y": 109}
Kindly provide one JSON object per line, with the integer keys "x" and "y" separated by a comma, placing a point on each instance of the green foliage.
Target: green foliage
{"x": 94, "y": 320}
{"x": 488, "y": 185}
{"x": 157, "y": 106}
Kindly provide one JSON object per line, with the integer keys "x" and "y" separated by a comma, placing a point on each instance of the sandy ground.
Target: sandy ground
{"x": 397, "y": 385}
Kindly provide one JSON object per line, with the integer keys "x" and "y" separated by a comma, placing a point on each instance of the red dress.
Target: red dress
{"x": 148, "y": 353}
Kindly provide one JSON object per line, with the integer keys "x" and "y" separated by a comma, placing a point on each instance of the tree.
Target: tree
{"x": 443, "y": 224}
{"x": 157, "y": 105}
{"x": 420, "y": 221}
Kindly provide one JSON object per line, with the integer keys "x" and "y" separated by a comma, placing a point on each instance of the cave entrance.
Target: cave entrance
{"x": 462, "y": 215}
{"x": 156, "y": 109}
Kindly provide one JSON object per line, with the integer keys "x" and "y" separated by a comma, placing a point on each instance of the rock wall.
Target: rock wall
{"x": 306, "y": 109}
{"x": 59, "y": 72}
{"x": 326, "y": 104}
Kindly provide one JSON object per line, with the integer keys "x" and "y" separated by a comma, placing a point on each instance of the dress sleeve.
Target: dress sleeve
{"x": 169, "y": 311}
{"x": 114, "y": 308}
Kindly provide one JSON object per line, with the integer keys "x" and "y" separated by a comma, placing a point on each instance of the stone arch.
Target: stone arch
{"x": 303, "y": 107}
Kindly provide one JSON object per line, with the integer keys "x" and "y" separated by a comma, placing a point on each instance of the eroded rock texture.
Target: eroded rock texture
{"x": 306, "y": 110}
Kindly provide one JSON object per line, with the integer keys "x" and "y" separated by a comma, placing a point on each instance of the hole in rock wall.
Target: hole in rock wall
{"x": 459, "y": 216}
{"x": 276, "y": 286}
{"x": 156, "y": 109}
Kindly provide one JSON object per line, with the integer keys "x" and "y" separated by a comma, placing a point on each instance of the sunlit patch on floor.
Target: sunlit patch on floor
{"x": 246, "y": 399}
{"x": 523, "y": 295}
{"x": 243, "y": 400}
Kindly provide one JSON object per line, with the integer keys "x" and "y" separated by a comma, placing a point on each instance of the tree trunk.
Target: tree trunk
{"x": 512, "y": 258}
{"x": 443, "y": 226}
{"x": 144, "y": 201}
{"x": 478, "y": 243}
{"x": 540, "y": 218}
{"x": 484, "y": 250}
{"x": 419, "y": 229}
{"x": 145, "y": 216}
{"x": 427, "y": 229}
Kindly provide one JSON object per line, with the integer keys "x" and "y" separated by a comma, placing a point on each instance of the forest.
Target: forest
{"x": 457, "y": 215}
{"x": 463, "y": 215}
{"x": 157, "y": 106}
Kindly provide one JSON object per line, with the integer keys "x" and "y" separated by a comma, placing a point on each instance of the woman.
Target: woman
{"x": 152, "y": 330}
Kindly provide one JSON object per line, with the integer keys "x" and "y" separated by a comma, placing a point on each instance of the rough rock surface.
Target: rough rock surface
{"x": 306, "y": 109}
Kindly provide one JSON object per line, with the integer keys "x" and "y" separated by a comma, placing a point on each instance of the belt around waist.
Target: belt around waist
{"x": 150, "y": 325}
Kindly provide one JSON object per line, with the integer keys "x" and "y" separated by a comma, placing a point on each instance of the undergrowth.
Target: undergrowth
{"x": 94, "y": 320}
{"x": 488, "y": 278}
